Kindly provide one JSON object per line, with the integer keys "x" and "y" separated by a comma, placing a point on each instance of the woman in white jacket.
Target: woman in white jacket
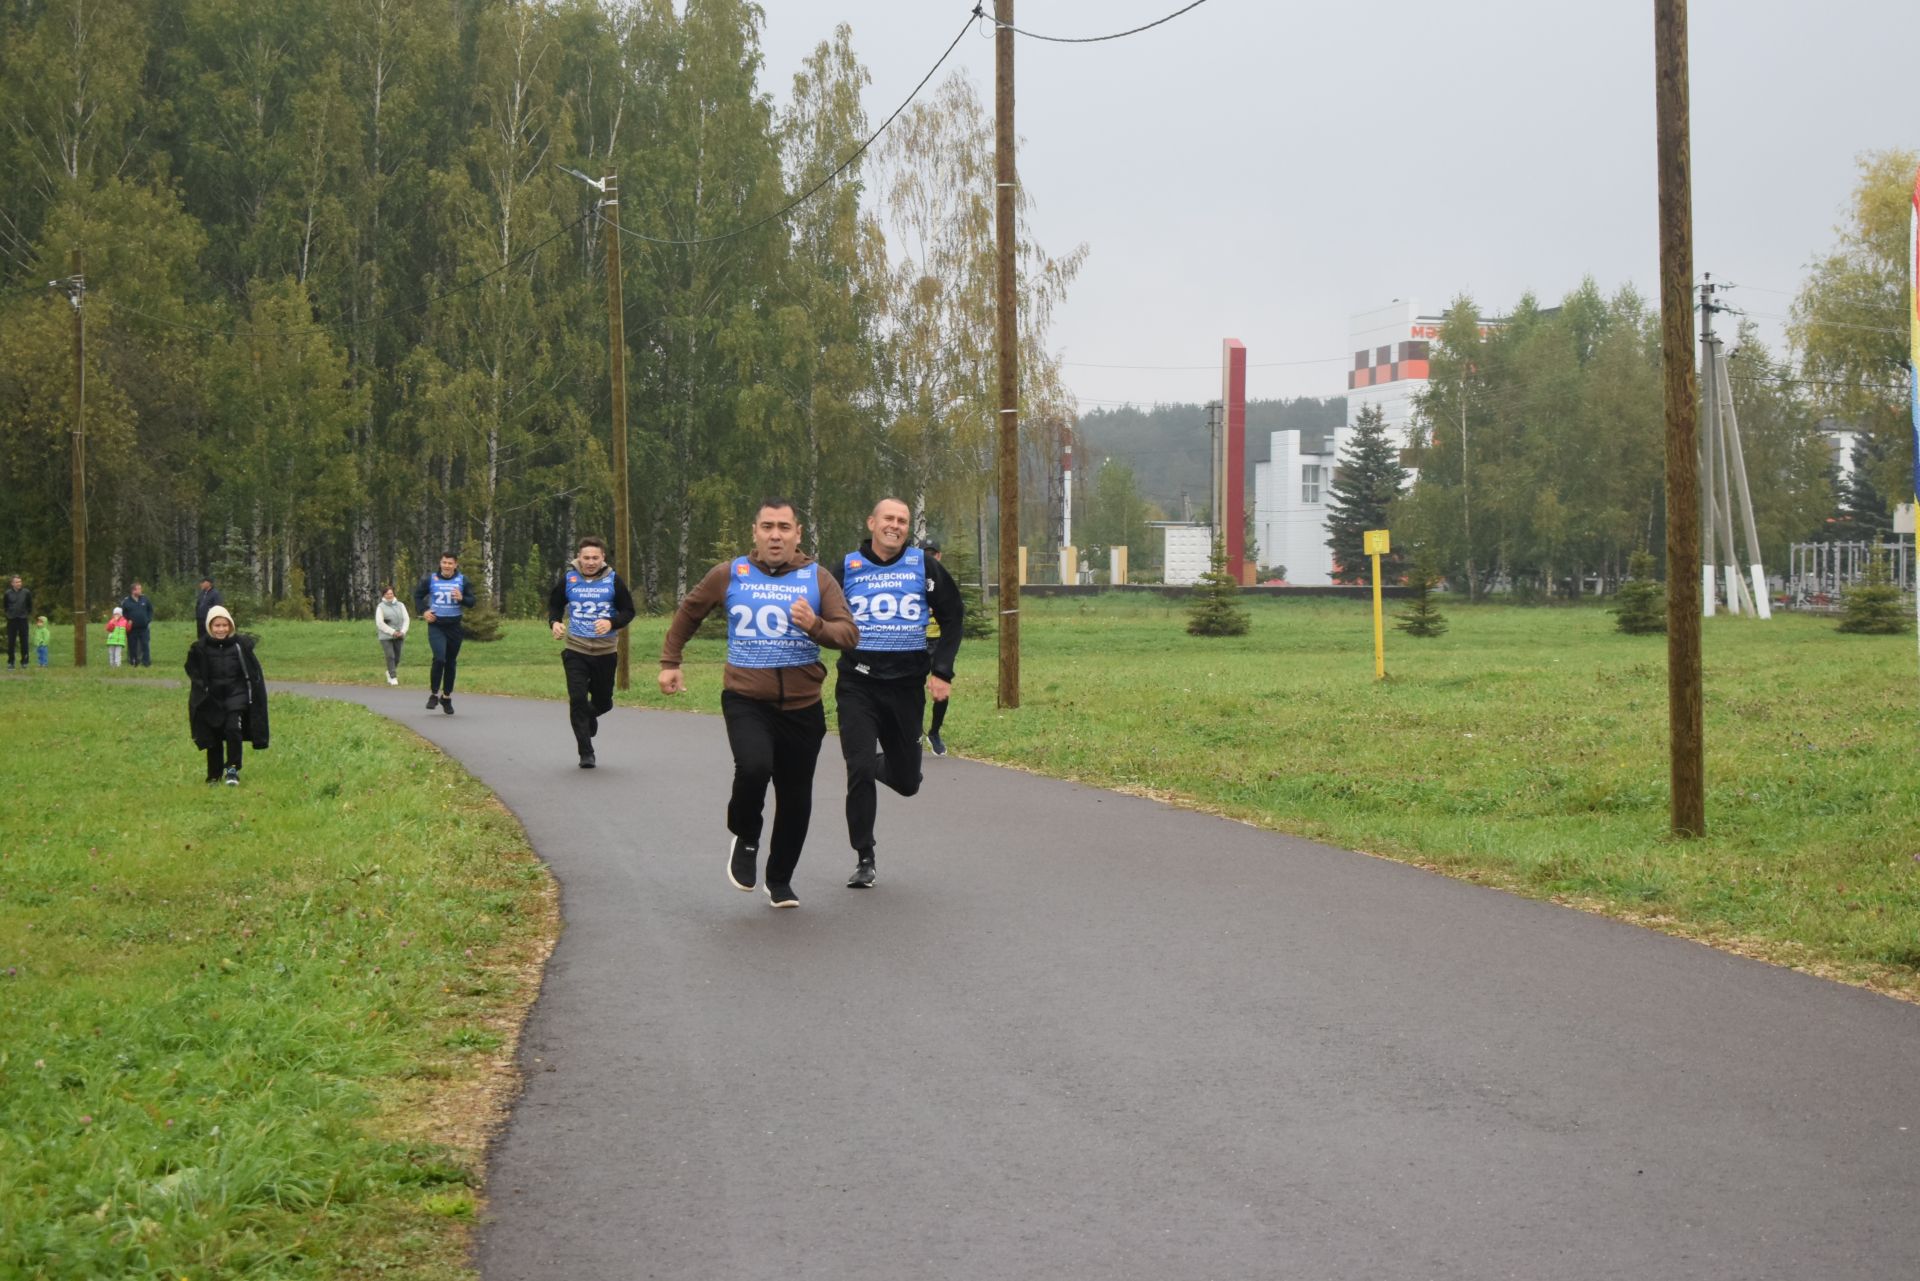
{"x": 391, "y": 618}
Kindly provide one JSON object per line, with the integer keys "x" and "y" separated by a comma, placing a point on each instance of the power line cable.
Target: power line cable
{"x": 1034, "y": 35}
{"x": 329, "y": 326}
{"x": 1877, "y": 306}
{"x": 817, "y": 187}
{"x": 1788, "y": 380}
{"x": 1820, "y": 323}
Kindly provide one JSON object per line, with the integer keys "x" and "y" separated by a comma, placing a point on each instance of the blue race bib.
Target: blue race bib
{"x": 588, "y": 601}
{"x": 889, "y": 602}
{"x": 760, "y": 630}
{"x": 440, "y": 594}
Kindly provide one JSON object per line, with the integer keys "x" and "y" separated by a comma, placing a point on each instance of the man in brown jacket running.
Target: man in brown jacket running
{"x": 780, "y": 609}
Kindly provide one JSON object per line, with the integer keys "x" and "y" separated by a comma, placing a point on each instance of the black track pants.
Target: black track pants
{"x": 589, "y": 692}
{"x": 228, "y": 742}
{"x": 887, "y": 713}
{"x": 444, "y": 639}
{"x": 772, "y": 746}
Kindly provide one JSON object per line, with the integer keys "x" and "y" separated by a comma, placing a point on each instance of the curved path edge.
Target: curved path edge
{"x": 1078, "y": 1034}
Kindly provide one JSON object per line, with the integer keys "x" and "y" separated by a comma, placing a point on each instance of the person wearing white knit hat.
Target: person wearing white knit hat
{"x": 226, "y": 696}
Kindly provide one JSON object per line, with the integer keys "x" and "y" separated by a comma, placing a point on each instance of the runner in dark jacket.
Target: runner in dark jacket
{"x": 587, "y": 608}
{"x": 880, "y": 693}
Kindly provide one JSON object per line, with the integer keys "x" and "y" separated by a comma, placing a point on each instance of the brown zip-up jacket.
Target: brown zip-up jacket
{"x": 788, "y": 688}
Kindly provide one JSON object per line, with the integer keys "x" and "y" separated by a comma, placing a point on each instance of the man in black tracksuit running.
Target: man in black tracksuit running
{"x": 587, "y": 607}
{"x": 881, "y": 690}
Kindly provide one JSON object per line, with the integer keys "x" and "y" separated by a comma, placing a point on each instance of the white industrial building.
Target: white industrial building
{"x": 1390, "y": 362}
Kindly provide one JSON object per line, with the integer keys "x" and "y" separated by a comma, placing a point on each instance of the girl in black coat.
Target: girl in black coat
{"x": 226, "y": 696}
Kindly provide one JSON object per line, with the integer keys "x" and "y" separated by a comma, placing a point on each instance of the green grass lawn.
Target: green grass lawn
{"x": 258, "y": 1031}
{"x": 1526, "y": 748}
{"x": 255, "y": 1031}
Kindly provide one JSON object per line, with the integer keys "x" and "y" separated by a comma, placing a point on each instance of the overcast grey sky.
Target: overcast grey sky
{"x": 1261, "y": 169}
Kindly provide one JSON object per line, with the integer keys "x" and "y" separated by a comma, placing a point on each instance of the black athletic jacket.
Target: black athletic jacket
{"x": 948, "y": 610}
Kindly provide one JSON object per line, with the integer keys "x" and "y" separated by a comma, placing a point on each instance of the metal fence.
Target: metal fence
{"x": 1818, "y": 572}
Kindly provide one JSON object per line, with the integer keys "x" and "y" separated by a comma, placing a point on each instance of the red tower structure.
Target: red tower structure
{"x": 1233, "y": 469}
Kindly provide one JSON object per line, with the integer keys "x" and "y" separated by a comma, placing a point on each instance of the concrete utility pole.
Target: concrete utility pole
{"x": 617, "y": 359}
{"x": 77, "y": 294}
{"x": 1685, "y": 697}
{"x": 1466, "y": 493}
{"x": 1216, "y": 417}
{"x": 1008, "y": 339}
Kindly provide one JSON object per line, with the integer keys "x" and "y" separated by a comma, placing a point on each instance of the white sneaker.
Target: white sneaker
{"x": 393, "y": 680}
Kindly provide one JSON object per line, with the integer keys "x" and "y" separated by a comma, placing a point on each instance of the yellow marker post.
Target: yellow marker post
{"x": 1375, "y": 544}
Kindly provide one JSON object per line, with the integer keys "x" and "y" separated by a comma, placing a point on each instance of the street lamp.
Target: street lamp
{"x": 609, "y": 189}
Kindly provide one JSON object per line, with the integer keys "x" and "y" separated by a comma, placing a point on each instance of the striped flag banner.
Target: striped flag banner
{"x": 1913, "y": 360}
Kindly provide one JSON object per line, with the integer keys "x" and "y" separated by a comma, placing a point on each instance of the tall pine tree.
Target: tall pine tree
{"x": 1864, "y": 514}
{"x": 1369, "y": 477}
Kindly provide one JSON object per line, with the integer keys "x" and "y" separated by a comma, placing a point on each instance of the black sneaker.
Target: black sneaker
{"x": 743, "y": 865}
{"x": 862, "y": 878}
{"x": 586, "y": 760}
{"x": 939, "y": 748}
{"x": 593, "y": 727}
{"x": 782, "y": 896}
{"x": 446, "y": 704}
{"x": 433, "y": 701}
{"x": 232, "y": 776}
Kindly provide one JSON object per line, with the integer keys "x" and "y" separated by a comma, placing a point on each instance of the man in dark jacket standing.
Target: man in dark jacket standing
{"x": 880, "y": 693}
{"x": 137, "y": 606}
{"x": 587, "y": 608}
{"x": 209, "y": 597}
{"x": 19, "y": 605}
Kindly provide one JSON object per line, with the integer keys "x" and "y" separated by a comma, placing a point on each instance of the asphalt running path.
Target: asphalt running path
{"x": 1079, "y": 1035}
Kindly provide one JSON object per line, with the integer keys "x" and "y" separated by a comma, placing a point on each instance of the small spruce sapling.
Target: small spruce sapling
{"x": 1642, "y": 608}
{"x": 1216, "y": 610}
{"x": 1872, "y": 607}
{"x": 1423, "y": 616}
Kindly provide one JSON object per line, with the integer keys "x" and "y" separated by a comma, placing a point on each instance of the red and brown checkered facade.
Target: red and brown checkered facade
{"x": 1389, "y": 364}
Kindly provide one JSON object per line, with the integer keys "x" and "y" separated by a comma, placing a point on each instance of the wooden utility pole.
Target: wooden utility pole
{"x": 1008, "y": 338}
{"x": 1685, "y": 699}
{"x": 617, "y": 354}
{"x": 77, "y": 293}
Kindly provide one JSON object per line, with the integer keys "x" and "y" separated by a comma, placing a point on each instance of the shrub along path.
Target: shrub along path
{"x": 1076, "y": 1034}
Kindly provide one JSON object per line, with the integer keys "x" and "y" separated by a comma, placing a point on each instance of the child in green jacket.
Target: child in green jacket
{"x": 42, "y": 637}
{"x": 117, "y": 627}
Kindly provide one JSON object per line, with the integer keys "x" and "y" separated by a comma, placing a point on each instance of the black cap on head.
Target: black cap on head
{"x": 930, "y": 544}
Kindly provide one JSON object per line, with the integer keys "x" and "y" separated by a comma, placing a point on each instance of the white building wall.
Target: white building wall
{"x": 1292, "y": 527}
{"x": 1189, "y": 554}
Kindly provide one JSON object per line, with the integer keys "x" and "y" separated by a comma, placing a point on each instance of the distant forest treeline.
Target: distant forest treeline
{"x": 344, "y": 308}
{"x": 1167, "y": 445}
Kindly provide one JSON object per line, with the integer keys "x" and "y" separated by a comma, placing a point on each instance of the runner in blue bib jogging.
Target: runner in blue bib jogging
{"x": 780, "y": 609}
{"x": 880, "y": 693}
{"x": 439, "y": 601}
{"x": 587, "y": 608}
